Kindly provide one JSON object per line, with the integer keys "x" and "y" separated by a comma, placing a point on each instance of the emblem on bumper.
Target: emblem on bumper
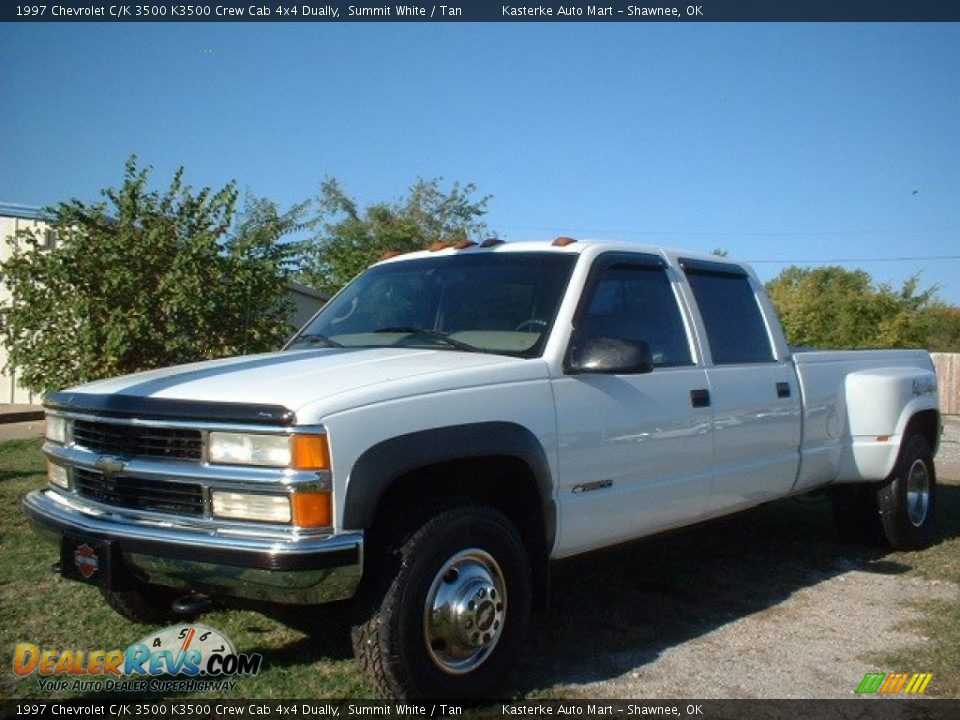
{"x": 86, "y": 560}
{"x": 109, "y": 465}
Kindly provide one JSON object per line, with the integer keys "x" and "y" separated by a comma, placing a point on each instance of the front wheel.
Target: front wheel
{"x": 450, "y": 618}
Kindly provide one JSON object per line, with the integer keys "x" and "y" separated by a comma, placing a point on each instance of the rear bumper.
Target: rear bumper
{"x": 304, "y": 570}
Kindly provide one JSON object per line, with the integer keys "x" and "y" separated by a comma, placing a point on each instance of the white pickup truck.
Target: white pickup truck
{"x": 455, "y": 419}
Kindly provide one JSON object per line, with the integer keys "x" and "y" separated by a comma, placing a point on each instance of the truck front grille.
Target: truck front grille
{"x": 136, "y": 493}
{"x": 136, "y": 441}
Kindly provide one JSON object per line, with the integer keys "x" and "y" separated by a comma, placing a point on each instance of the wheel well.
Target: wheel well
{"x": 503, "y": 482}
{"x": 927, "y": 424}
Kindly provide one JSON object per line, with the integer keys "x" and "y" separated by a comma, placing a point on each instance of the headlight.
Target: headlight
{"x": 244, "y": 449}
{"x": 303, "y": 509}
{"x": 57, "y": 475}
{"x": 245, "y": 506}
{"x": 58, "y": 429}
{"x": 301, "y": 452}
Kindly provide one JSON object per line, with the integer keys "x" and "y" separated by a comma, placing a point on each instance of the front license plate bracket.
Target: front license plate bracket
{"x": 89, "y": 561}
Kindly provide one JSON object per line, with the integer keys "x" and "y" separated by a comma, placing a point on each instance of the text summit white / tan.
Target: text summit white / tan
{"x": 455, "y": 419}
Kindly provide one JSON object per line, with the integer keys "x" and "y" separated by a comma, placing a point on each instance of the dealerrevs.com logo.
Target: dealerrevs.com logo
{"x": 894, "y": 683}
{"x": 180, "y": 658}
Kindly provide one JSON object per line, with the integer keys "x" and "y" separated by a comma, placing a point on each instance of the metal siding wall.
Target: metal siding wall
{"x": 305, "y": 305}
{"x": 10, "y": 391}
{"x": 948, "y": 380}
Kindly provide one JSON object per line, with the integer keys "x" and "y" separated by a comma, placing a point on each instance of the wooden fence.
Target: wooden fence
{"x": 948, "y": 379}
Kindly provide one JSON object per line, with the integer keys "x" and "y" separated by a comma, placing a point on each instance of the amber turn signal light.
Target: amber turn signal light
{"x": 309, "y": 452}
{"x": 312, "y": 509}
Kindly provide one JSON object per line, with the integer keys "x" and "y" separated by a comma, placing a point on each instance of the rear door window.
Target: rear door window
{"x": 734, "y": 322}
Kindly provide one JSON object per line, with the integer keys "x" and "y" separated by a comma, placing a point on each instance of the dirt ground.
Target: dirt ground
{"x": 815, "y": 642}
{"x": 813, "y": 645}
{"x": 21, "y": 431}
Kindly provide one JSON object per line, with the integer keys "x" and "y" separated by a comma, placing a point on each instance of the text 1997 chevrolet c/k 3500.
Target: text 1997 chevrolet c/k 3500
{"x": 452, "y": 421}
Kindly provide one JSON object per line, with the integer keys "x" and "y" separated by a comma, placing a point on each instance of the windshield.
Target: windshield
{"x": 491, "y": 302}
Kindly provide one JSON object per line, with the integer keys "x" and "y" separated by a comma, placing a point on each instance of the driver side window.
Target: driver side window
{"x": 637, "y": 303}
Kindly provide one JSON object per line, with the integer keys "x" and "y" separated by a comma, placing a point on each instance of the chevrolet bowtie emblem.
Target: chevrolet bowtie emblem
{"x": 109, "y": 465}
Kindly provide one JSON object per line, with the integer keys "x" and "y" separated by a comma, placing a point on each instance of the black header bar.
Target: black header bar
{"x": 153, "y": 408}
{"x": 485, "y": 11}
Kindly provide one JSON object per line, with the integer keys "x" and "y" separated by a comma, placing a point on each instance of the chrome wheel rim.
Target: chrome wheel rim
{"x": 465, "y": 611}
{"x": 918, "y": 493}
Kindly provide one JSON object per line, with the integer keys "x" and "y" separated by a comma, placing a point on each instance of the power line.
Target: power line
{"x": 677, "y": 233}
{"x": 776, "y": 233}
{"x": 853, "y": 260}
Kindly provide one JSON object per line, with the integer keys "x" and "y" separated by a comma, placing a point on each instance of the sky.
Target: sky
{"x": 805, "y": 143}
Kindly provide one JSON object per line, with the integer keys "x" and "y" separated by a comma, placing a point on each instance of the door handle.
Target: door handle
{"x": 700, "y": 398}
{"x": 783, "y": 390}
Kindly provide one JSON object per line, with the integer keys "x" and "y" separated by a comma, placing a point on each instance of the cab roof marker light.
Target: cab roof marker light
{"x": 464, "y": 244}
{"x": 491, "y": 242}
{"x": 563, "y": 241}
{"x": 439, "y": 245}
{"x": 391, "y": 254}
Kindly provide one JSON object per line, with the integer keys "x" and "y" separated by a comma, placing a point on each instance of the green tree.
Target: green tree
{"x": 145, "y": 279}
{"x": 831, "y": 307}
{"x": 350, "y": 239}
{"x": 943, "y": 327}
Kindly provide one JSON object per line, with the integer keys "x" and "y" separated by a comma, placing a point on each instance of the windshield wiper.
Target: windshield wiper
{"x": 430, "y": 335}
{"x": 316, "y": 339}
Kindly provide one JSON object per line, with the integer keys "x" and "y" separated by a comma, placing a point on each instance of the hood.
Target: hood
{"x": 326, "y": 379}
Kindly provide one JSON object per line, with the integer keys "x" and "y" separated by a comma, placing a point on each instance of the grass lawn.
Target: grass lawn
{"x": 640, "y": 599}
{"x": 40, "y": 608}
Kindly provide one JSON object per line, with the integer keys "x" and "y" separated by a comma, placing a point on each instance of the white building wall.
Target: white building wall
{"x": 10, "y": 390}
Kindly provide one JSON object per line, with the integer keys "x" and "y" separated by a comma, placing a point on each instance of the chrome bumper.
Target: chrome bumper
{"x": 303, "y": 570}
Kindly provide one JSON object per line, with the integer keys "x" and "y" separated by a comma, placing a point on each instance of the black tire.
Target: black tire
{"x": 450, "y": 552}
{"x": 143, "y": 604}
{"x": 907, "y": 514}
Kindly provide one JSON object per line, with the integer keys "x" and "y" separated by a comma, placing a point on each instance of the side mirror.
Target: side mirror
{"x": 609, "y": 355}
